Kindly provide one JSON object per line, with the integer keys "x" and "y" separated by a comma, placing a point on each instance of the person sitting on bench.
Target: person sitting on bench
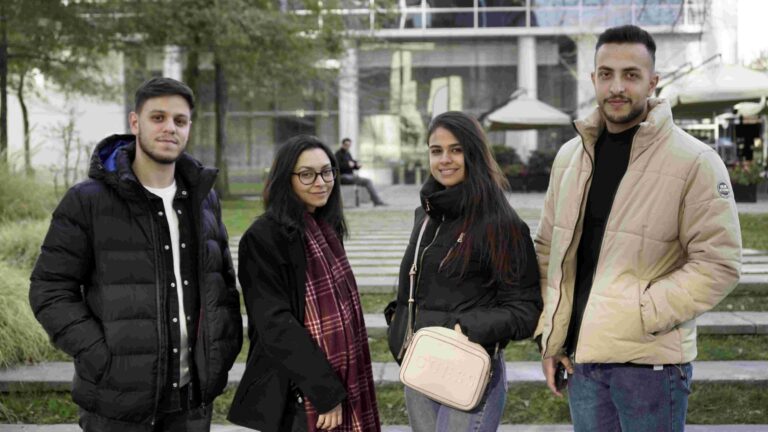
{"x": 347, "y": 167}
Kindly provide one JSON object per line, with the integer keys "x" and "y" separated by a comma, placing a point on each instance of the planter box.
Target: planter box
{"x": 745, "y": 193}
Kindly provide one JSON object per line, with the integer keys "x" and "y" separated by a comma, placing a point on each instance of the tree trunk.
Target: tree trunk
{"x": 192, "y": 79}
{"x": 25, "y": 118}
{"x": 3, "y": 87}
{"x": 222, "y": 183}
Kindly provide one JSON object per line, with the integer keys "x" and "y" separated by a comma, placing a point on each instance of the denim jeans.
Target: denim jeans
{"x": 629, "y": 398}
{"x": 426, "y": 415}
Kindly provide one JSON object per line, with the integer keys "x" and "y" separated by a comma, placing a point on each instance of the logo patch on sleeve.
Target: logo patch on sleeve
{"x": 723, "y": 189}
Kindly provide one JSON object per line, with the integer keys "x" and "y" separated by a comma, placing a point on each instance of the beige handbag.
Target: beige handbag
{"x": 442, "y": 363}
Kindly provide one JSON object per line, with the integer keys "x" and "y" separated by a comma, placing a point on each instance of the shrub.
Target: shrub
{"x": 541, "y": 161}
{"x": 505, "y": 155}
{"x": 22, "y": 197}
{"x": 20, "y": 242}
{"x": 22, "y": 339}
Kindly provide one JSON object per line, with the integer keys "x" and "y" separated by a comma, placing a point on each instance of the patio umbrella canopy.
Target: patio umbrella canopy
{"x": 522, "y": 112}
{"x": 713, "y": 89}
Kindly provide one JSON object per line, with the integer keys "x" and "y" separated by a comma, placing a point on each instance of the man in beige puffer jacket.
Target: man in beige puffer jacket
{"x": 639, "y": 235}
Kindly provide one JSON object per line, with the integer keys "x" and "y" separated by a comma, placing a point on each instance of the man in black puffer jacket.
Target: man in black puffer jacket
{"x": 135, "y": 279}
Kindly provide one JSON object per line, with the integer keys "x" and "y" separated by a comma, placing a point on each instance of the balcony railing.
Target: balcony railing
{"x": 425, "y": 15}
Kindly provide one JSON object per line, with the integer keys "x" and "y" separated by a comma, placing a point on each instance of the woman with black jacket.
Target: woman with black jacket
{"x": 477, "y": 270}
{"x": 309, "y": 366}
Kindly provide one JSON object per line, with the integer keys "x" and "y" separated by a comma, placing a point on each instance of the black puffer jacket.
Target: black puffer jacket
{"x": 488, "y": 314}
{"x": 98, "y": 289}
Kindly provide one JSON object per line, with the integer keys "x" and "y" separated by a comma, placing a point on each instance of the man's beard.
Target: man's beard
{"x": 634, "y": 113}
{"x": 152, "y": 154}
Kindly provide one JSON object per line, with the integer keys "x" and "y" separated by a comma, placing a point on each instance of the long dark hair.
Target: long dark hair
{"x": 281, "y": 201}
{"x": 488, "y": 219}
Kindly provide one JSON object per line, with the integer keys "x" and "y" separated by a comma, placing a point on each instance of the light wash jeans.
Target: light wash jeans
{"x": 426, "y": 415}
{"x": 629, "y": 398}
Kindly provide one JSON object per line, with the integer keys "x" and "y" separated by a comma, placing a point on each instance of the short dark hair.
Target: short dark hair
{"x": 628, "y": 34}
{"x": 163, "y": 86}
{"x": 281, "y": 201}
{"x": 345, "y": 139}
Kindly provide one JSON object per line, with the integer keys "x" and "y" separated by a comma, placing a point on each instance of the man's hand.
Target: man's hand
{"x": 331, "y": 419}
{"x": 549, "y": 365}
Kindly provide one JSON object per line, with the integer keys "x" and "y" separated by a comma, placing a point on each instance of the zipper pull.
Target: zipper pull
{"x": 427, "y": 202}
{"x": 412, "y": 272}
{"x": 461, "y": 238}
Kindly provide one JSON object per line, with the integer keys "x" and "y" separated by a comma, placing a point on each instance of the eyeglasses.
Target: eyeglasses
{"x": 308, "y": 177}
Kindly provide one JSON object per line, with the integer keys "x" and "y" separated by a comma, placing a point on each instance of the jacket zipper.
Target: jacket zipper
{"x": 545, "y": 343}
{"x": 202, "y": 321}
{"x": 421, "y": 261}
{"x": 607, "y": 220}
{"x": 160, "y": 327}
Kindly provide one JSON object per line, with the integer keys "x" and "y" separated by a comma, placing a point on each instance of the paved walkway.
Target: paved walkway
{"x": 407, "y": 197}
{"x": 58, "y": 375}
{"x": 502, "y": 428}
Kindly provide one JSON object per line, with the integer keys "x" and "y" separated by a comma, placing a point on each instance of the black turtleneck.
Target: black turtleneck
{"x": 611, "y": 161}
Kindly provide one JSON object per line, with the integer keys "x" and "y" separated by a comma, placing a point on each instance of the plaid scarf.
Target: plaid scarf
{"x": 334, "y": 318}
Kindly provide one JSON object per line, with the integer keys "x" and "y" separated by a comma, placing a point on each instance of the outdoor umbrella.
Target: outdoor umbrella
{"x": 714, "y": 88}
{"x": 522, "y": 112}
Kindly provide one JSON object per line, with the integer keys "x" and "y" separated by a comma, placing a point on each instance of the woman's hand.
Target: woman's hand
{"x": 457, "y": 327}
{"x": 331, "y": 419}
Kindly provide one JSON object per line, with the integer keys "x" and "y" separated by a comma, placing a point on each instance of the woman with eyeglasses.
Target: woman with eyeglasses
{"x": 309, "y": 366}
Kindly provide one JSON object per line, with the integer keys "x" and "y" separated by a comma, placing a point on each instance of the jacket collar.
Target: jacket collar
{"x": 656, "y": 126}
{"x": 439, "y": 202}
{"x": 112, "y": 159}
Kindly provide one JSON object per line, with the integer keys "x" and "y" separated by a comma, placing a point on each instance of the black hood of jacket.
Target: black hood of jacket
{"x": 112, "y": 159}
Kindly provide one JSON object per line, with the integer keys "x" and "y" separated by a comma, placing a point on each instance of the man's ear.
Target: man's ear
{"x": 133, "y": 122}
{"x": 654, "y": 83}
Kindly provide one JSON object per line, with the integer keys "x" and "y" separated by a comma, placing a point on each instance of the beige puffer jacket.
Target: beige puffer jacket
{"x": 671, "y": 249}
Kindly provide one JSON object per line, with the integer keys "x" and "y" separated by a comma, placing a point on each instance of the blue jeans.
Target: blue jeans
{"x": 629, "y": 398}
{"x": 426, "y": 415}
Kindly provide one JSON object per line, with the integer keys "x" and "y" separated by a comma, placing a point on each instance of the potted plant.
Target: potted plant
{"x": 745, "y": 175}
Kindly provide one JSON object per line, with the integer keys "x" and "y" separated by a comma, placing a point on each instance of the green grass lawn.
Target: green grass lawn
{"x": 752, "y": 298}
{"x": 252, "y": 189}
{"x": 526, "y": 403}
{"x": 238, "y": 215}
{"x": 754, "y": 230}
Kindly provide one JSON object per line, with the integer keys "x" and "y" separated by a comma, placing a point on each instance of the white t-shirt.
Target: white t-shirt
{"x": 167, "y": 194}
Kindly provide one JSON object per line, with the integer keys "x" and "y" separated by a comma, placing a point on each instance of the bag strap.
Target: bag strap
{"x": 412, "y": 279}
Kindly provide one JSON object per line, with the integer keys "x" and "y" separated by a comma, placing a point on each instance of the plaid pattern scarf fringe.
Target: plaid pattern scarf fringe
{"x": 334, "y": 319}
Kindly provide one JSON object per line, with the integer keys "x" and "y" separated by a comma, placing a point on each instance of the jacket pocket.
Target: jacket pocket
{"x": 92, "y": 364}
{"x": 644, "y": 311}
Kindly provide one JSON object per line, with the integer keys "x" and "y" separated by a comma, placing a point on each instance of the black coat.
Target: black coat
{"x": 283, "y": 357}
{"x": 488, "y": 314}
{"x": 98, "y": 287}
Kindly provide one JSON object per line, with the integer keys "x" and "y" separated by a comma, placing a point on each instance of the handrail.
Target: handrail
{"x": 685, "y": 14}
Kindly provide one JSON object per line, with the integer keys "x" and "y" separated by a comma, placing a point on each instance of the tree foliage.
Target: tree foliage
{"x": 59, "y": 40}
{"x": 256, "y": 48}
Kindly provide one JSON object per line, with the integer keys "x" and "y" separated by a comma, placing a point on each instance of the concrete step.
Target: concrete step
{"x": 399, "y": 428}
{"x": 723, "y": 323}
{"x": 58, "y": 375}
